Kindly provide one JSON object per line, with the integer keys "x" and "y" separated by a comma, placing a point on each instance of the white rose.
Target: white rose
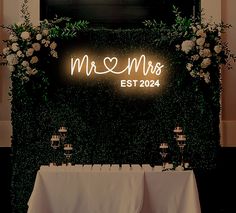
{"x": 200, "y": 41}
{"x": 25, "y": 35}
{"x": 201, "y": 33}
{"x": 218, "y": 49}
{"x": 54, "y": 54}
{"x": 11, "y": 68}
{"x": 177, "y": 47}
{"x": 34, "y": 60}
{"x": 195, "y": 57}
{"x": 19, "y": 53}
{"x": 205, "y": 63}
{"x": 36, "y": 46}
{"x": 53, "y": 46}
{"x": 12, "y": 59}
{"x": 187, "y": 45}
{"x": 46, "y": 43}
{"x": 45, "y": 32}
{"x": 205, "y": 53}
{"x": 6, "y": 51}
{"x": 13, "y": 38}
{"x": 31, "y": 71}
{"x": 29, "y": 52}
{"x": 15, "y": 47}
{"x": 189, "y": 66}
{"x": 25, "y": 63}
{"x": 39, "y": 37}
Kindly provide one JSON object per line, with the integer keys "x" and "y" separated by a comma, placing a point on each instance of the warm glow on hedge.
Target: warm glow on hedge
{"x": 132, "y": 72}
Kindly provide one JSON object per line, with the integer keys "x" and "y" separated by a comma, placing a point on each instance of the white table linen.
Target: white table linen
{"x": 170, "y": 192}
{"x": 86, "y": 189}
{"x": 76, "y": 190}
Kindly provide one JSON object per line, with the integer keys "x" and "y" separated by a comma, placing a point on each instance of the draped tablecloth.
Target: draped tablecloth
{"x": 87, "y": 189}
{"x": 170, "y": 192}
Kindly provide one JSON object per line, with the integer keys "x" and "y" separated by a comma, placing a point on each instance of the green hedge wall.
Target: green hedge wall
{"x": 105, "y": 127}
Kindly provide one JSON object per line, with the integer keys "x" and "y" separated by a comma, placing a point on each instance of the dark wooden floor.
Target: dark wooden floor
{"x": 217, "y": 188}
{"x": 5, "y": 180}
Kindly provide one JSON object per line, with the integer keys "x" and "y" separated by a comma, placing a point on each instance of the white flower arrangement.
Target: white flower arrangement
{"x": 28, "y": 47}
{"x": 22, "y": 51}
{"x": 204, "y": 49}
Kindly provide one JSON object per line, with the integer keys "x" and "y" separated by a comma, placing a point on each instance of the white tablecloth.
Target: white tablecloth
{"x": 77, "y": 189}
{"x": 170, "y": 192}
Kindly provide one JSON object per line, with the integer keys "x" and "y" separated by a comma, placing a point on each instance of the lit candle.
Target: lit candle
{"x": 62, "y": 129}
{"x": 55, "y": 138}
{"x": 178, "y": 129}
{"x": 68, "y": 147}
{"x": 163, "y": 145}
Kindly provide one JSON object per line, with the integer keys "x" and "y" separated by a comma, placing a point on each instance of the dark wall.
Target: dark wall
{"x": 217, "y": 187}
{"x": 117, "y": 13}
{"x": 5, "y": 179}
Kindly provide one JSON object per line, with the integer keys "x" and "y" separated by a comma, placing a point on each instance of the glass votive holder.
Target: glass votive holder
{"x": 55, "y": 141}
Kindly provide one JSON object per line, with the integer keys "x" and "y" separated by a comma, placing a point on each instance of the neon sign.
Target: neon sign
{"x": 132, "y": 72}
{"x": 111, "y": 63}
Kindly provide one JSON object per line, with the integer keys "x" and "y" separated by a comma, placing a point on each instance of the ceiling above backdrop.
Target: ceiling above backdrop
{"x": 117, "y": 13}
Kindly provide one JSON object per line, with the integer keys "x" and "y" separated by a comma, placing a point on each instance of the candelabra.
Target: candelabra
{"x": 63, "y": 133}
{"x": 68, "y": 148}
{"x": 177, "y": 130}
{"x": 57, "y": 140}
{"x": 181, "y": 142}
{"x": 163, "y": 152}
{"x": 55, "y": 144}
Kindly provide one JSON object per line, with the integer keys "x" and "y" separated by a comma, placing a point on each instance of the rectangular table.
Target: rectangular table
{"x": 87, "y": 189}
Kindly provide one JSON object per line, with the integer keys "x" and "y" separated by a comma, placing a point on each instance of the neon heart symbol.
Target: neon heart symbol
{"x": 110, "y": 63}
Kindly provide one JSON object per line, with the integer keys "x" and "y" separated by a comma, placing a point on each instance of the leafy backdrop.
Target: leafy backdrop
{"x": 106, "y": 127}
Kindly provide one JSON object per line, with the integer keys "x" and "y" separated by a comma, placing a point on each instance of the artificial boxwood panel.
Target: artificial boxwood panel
{"x": 105, "y": 126}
